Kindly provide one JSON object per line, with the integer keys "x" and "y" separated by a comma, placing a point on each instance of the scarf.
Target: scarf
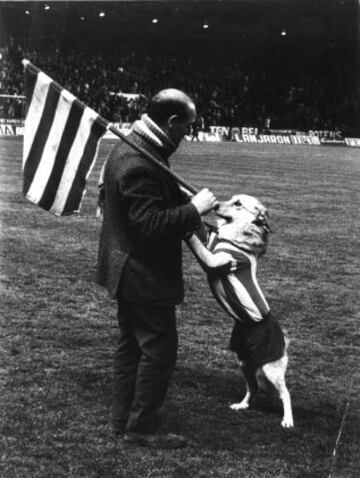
{"x": 148, "y": 129}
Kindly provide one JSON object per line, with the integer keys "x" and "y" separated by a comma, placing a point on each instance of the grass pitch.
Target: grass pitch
{"x": 58, "y": 329}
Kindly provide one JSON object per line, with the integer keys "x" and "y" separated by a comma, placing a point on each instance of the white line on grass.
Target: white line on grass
{"x": 340, "y": 430}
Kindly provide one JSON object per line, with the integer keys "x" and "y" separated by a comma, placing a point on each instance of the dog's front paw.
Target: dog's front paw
{"x": 240, "y": 406}
{"x": 223, "y": 259}
{"x": 287, "y": 423}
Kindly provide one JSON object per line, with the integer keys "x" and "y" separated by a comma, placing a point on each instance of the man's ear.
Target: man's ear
{"x": 172, "y": 120}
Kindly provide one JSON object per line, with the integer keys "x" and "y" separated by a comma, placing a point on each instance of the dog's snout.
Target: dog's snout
{"x": 262, "y": 221}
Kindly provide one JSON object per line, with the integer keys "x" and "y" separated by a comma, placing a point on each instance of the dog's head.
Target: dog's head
{"x": 244, "y": 220}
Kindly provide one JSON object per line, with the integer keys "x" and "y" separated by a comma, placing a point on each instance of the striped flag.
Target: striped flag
{"x": 60, "y": 144}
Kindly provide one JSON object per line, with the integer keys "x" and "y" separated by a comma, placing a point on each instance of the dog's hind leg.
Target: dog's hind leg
{"x": 252, "y": 386}
{"x": 275, "y": 373}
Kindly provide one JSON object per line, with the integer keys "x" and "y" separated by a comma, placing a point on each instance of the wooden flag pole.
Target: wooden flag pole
{"x": 151, "y": 158}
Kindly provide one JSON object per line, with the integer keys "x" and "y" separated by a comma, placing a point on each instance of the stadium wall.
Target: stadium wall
{"x": 224, "y": 134}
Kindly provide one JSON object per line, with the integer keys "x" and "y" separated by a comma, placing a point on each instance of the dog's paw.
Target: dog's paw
{"x": 240, "y": 406}
{"x": 287, "y": 423}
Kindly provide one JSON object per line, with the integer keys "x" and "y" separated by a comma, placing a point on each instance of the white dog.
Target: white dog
{"x": 229, "y": 258}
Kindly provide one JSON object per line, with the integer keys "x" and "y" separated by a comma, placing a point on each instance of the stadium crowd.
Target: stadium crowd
{"x": 316, "y": 97}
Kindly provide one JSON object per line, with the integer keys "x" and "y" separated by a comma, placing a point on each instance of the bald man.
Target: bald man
{"x": 145, "y": 218}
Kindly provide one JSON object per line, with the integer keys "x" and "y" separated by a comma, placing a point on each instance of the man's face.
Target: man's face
{"x": 179, "y": 128}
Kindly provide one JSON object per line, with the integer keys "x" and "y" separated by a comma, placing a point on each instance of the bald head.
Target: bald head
{"x": 168, "y": 103}
{"x": 173, "y": 111}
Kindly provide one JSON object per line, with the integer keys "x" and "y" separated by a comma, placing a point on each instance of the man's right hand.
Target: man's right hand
{"x": 204, "y": 201}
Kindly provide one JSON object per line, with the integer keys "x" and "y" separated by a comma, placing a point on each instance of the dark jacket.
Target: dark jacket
{"x": 145, "y": 217}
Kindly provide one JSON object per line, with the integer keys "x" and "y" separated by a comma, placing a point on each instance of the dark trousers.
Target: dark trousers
{"x": 144, "y": 361}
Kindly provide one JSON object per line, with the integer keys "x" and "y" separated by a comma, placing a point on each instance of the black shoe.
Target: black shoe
{"x": 118, "y": 430}
{"x": 154, "y": 440}
{"x": 117, "y": 433}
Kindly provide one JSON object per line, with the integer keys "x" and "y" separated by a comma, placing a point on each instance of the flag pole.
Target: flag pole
{"x": 151, "y": 158}
{"x": 110, "y": 127}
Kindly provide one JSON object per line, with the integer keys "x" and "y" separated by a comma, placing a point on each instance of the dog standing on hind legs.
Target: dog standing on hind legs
{"x": 275, "y": 374}
{"x": 229, "y": 258}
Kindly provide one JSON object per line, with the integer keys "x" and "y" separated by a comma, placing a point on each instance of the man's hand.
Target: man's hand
{"x": 204, "y": 201}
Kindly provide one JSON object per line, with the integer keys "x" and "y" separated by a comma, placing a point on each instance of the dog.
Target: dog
{"x": 229, "y": 257}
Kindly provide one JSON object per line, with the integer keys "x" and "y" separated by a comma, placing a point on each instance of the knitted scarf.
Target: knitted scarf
{"x": 148, "y": 129}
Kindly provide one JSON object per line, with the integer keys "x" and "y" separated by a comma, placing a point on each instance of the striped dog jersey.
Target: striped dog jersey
{"x": 237, "y": 292}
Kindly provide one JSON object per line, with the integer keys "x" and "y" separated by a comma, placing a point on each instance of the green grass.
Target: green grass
{"x": 58, "y": 329}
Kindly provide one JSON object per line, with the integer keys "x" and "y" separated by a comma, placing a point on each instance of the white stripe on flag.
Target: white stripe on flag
{"x": 73, "y": 160}
{"x": 46, "y": 164}
{"x": 35, "y": 111}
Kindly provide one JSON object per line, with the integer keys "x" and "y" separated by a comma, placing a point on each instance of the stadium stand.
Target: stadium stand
{"x": 252, "y": 77}
{"x": 298, "y": 99}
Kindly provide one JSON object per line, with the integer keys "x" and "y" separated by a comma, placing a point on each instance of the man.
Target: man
{"x": 145, "y": 218}
{"x": 195, "y": 132}
{"x": 197, "y": 126}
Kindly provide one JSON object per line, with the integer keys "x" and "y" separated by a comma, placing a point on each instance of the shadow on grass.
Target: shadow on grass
{"x": 198, "y": 393}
